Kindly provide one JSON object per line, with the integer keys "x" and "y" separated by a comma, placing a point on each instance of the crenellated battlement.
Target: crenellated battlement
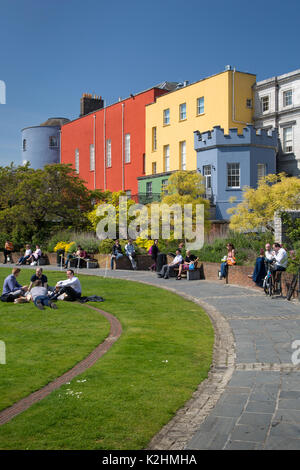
{"x": 250, "y": 136}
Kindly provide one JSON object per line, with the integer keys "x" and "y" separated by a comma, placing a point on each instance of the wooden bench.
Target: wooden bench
{"x": 190, "y": 274}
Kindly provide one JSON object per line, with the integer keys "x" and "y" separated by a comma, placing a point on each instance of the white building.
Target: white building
{"x": 277, "y": 104}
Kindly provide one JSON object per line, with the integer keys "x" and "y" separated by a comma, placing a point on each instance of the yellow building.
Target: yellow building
{"x": 225, "y": 99}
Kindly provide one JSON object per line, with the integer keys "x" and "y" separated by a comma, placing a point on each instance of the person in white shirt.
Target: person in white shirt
{"x": 35, "y": 255}
{"x": 70, "y": 289}
{"x": 165, "y": 271}
{"x": 281, "y": 260}
{"x": 25, "y": 257}
{"x": 269, "y": 254}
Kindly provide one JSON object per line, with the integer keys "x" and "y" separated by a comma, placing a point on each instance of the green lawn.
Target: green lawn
{"x": 164, "y": 352}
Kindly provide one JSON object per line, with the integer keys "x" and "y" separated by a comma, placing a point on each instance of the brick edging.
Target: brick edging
{"x": 23, "y": 404}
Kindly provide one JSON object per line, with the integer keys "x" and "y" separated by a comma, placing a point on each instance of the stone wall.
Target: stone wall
{"x": 279, "y": 227}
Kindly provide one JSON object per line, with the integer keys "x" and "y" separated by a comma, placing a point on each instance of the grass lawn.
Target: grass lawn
{"x": 164, "y": 352}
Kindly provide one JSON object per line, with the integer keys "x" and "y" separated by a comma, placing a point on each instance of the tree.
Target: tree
{"x": 275, "y": 193}
{"x": 34, "y": 202}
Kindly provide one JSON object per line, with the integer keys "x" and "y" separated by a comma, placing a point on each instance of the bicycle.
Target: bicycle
{"x": 270, "y": 286}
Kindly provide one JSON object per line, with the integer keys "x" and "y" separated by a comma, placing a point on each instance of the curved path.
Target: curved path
{"x": 22, "y": 405}
{"x": 251, "y": 397}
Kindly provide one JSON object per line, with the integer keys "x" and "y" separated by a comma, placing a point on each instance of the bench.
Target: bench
{"x": 190, "y": 274}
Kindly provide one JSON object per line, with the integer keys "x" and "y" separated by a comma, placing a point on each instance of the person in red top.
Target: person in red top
{"x": 8, "y": 249}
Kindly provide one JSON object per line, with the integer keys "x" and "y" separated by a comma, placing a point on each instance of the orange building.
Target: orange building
{"x": 106, "y": 145}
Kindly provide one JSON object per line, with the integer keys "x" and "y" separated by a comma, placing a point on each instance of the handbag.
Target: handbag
{"x": 191, "y": 267}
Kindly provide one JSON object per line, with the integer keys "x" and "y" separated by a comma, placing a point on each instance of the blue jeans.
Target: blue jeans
{"x": 115, "y": 257}
{"x": 224, "y": 269}
{"x": 43, "y": 299}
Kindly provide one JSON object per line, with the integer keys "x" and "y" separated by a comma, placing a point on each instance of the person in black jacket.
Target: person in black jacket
{"x": 154, "y": 252}
{"x": 115, "y": 254}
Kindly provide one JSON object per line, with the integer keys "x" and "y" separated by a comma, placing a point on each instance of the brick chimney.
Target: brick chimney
{"x": 89, "y": 103}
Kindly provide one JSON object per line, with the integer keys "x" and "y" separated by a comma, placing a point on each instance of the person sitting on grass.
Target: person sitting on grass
{"x": 188, "y": 261}
{"x": 165, "y": 271}
{"x": 11, "y": 287}
{"x": 38, "y": 276}
{"x": 39, "y": 295}
{"x": 69, "y": 290}
{"x": 25, "y": 257}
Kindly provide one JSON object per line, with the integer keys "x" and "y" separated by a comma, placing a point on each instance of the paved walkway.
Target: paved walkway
{"x": 251, "y": 398}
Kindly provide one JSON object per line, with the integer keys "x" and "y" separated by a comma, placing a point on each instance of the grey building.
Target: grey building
{"x": 277, "y": 105}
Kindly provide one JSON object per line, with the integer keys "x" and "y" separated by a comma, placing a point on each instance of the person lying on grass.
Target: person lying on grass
{"x": 70, "y": 289}
{"x": 39, "y": 295}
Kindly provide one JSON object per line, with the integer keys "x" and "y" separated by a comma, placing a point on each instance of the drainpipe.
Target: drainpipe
{"x": 59, "y": 145}
{"x": 233, "y": 104}
{"x": 94, "y": 151}
{"x": 104, "y": 146}
{"x": 122, "y": 146}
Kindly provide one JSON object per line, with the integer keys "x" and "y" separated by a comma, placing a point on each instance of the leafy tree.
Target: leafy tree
{"x": 35, "y": 202}
{"x": 274, "y": 193}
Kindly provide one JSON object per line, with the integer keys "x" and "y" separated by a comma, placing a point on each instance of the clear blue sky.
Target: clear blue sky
{"x": 52, "y": 52}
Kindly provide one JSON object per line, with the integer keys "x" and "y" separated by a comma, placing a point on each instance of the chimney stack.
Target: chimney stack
{"x": 90, "y": 103}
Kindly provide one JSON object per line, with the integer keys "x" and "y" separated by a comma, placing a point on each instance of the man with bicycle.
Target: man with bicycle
{"x": 281, "y": 261}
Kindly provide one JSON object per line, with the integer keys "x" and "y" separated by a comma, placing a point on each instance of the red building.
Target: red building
{"x": 106, "y": 146}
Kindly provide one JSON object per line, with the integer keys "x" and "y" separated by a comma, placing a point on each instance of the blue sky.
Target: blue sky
{"x": 52, "y": 52}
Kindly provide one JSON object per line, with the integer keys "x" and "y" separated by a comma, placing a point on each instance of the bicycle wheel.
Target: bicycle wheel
{"x": 270, "y": 287}
{"x": 266, "y": 286}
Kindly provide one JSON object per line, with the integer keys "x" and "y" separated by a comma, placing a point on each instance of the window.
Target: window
{"x": 287, "y": 98}
{"x": 261, "y": 170}
{"x": 167, "y": 158}
{"x": 166, "y": 117}
{"x": 127, "y": 148}
{"x": 287, "y": 139}
{"x": 128, "y": 193}
{"x": 108, "y": 153}
{"x": 183, "y": 155}
{"x": 200, "y": 105}
{"x": 207, "y": 176}
{"x": 233, "y": 175}
{"x": 24, "y": 145}
{"x": 144, "y": 163}
{"x": 92, "y": 157}
{"x": 265, "y": 104}
{"x": 182, "y": 111}
{"x": 164, "y": 184}
{"x": 53, "y": 141}
{"x": 77, "y": 160}
{"x": 153, "y": 168}
{"x": 249, "y": 103}
{"x": 154, "y": 139}
{"x": 149, "y": 188}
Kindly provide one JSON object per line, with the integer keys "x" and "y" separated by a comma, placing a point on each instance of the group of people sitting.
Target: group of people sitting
{"x": 117, "y": 253}
{"x": 79, "y": 254}
{"x": 29, "y": 256}
{"x": 39, "y": 291}
{"x": 179, "y": 262}
{"x": 276, "y": 256}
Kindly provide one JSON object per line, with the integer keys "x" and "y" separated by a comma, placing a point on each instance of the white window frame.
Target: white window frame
{"x": 182, "y": 112}
{"x": 154, "y": 168}
{"x": 164, "y": 184}
{"x": 149, "y": 185}
{"x": 77, "y": 160}
{"x": 167, "y": 158}
{"x": 108, "y": 153}
{"x": 233, "y": 173}
{"x": 288, "y": 148}
{"x": 183, "y": 155}
{"x": 265, "y": 97}
{"x": 261, "y": 171}
{"x": 154, "y": 139}
{"x": 200, "y": 105}
{"x": 92, "y": 157}
{"x": 284, "y": 96}
{"x": 207, "y": 175}
{"x": 127, "y": 148}
{"x": 166, "y": 117}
